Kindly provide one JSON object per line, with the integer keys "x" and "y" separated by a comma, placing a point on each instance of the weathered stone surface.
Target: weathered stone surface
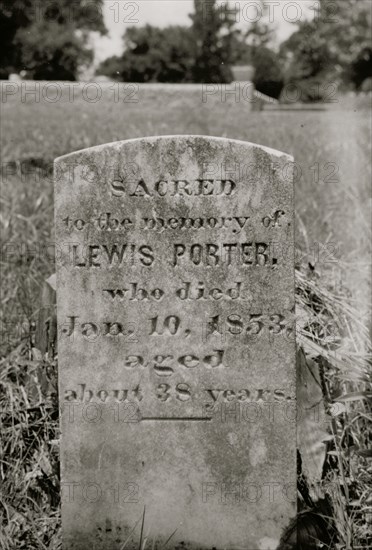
{"x": 243, "y": 73}
{"x": 175, "y": 295}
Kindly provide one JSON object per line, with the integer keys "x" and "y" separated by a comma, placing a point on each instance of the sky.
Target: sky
{"x": 120, "y": 14}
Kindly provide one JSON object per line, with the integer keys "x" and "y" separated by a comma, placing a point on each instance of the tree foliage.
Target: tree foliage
{"x": 48, "y": 39}
{"x": 268, "y": 75}
{"x": 203, "y": 52}
{"x": 361, "y": 68}
{"x": 252, "y": 47}
{"x": 200, "y": 53}
{"x": 153, "y": 54}
{"x": 333, "y": 46}
{"x": 111, "y": 67}
{"x": 325, "y": 48}
{"x": 214, "y": 32}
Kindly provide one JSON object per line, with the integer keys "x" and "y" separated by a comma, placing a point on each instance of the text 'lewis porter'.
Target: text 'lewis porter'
{"x": 252, "y": 254}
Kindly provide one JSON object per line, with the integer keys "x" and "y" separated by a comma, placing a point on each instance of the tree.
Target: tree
{"x": 200, "y": 53}
{"x": 323, "y": 49}
{"x": 63, "y": 27}
{"x": 111, "y": 67}
{"x": 268, "y": 75}
{"x": 152, "y": 54}
{"x": 58, "y": 56}
{"x": 361, "y": 67}
{"x": 213, "y": 30}
{"x": 251, "y": 46}
{"x": 346, "y": 26}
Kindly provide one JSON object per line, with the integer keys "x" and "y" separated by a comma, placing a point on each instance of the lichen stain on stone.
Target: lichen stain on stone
{"x": 257, "y": 453}
{"x": 232, "y": 439}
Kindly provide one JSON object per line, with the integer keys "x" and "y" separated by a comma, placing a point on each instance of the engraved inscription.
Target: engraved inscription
{"x": 254, "y": 254}
{"x": 115, "y": 222}
{"x": 176, "y": 320}
{"x": 236, "y": 224}
{"x": 189, "y": 291}
{"x": 112, "y": 255}
{"x": 247, "y": 254}
{"x": 166, "y": 364}
{"x": 254, "y": 324}
{"x": 108, "y": 222}
{"x": 173, "y": 188}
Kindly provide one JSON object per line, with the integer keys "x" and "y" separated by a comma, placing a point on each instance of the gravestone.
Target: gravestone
{"x": 243, "y": 73}
{"x": 175, "y": 300}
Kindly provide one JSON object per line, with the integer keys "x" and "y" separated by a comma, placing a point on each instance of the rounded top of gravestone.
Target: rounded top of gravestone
{"x": 192, "y": 141}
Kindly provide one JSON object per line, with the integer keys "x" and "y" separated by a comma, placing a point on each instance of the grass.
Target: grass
{"x": 333, "y": 208}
